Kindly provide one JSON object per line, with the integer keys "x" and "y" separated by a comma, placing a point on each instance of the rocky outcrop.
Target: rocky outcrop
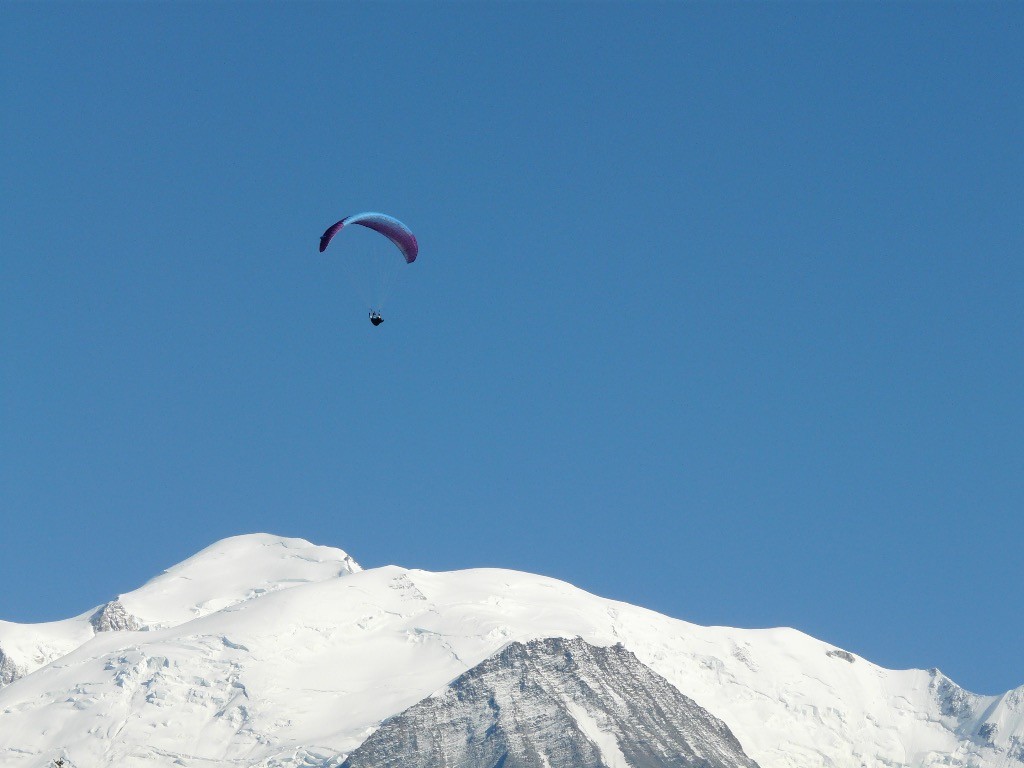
{"x": 113, "y": 617}
{"x": 555, "y": 703}
{"x": 953, "y": 700}
{"x": 835, "y": 653}
{"x": 9, "y": 671}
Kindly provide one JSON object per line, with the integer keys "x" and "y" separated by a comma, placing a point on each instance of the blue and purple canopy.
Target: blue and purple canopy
{"x": 390, "y": 227}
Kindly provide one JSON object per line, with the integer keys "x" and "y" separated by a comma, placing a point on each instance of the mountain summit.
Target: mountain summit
{"x": 223, "y": 575}
{"x": 267, "y": 652}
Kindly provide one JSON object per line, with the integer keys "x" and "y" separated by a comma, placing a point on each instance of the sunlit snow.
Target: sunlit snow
{"x": 265, "y": 651}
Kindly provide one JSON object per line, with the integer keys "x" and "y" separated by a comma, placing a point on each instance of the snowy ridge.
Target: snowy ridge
{"x": 256, "y": 653}
{"x": 229, "y": 572}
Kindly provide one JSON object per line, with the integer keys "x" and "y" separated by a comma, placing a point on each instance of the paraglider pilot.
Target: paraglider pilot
{"x": 375, "y": 317}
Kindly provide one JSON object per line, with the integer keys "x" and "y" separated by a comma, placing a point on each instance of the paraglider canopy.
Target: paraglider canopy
{"x": 390, "y": 227}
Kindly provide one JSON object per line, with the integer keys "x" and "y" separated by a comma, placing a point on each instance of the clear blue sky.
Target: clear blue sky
{"x": 719, "y": 308}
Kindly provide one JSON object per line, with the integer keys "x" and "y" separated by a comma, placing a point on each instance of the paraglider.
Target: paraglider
{"x": 400, "y": 236}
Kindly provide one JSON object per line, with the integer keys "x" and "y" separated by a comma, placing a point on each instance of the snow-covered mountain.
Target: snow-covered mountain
{"x": 272, "y": 652}
{"x": 222, "y": 575}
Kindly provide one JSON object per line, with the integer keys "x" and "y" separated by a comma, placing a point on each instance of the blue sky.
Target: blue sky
{"x": 718, "y": 309}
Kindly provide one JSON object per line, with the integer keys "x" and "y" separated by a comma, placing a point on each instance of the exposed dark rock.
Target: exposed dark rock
{"x": 113, "y": 617}
{"x": 554, "y": 703}
{"x": 953, "y": 700}
{"x": 838, "y": 654}
{"x": 9, "y": 671}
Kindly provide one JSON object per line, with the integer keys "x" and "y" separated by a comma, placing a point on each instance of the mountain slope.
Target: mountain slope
{"x": 303, "y": 673}
{"x": 226, "y": 573}
{"x": 555, "y": 703}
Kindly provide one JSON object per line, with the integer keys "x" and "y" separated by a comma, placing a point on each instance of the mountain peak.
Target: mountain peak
{"x": 228, "y": 572}
{"x": 555, "y": 702}
{"x": 231, "y": 571}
